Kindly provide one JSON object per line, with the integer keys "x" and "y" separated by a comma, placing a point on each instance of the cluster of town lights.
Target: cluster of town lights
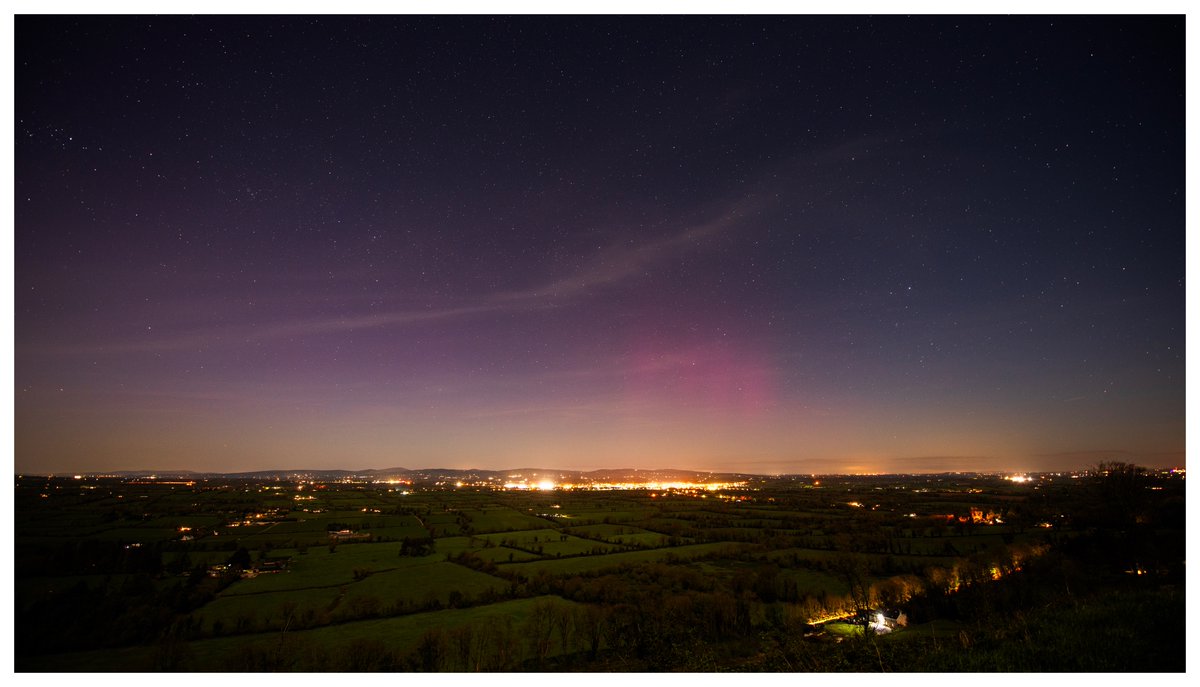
{"x": 549, "y": 485}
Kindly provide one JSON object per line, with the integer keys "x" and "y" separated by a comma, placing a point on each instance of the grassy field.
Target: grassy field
{"x": 399, "y": 634}
{"x": 504, "y": 520}
{"x": 268, "y": 610}
{"x": 320, "y": 567}
{"x": 135, "y": 534}
{"x": 622, "y": 534}
{"x": 585, "y": 564}
{"x": 421, "y": 584}
{"x": 592, "y": 516}
{"x": 549, "y": 543}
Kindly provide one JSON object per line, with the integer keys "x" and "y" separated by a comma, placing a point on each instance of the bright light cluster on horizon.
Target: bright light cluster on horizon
{"x": 1020, "y": 479}
{"x": 548, "y": 485}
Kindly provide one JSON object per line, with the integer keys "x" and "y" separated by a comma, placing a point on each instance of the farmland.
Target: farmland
{"x": 357, "y": 574}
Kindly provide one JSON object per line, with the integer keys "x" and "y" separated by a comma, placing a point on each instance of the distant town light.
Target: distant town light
{"x": 687, "y": 487}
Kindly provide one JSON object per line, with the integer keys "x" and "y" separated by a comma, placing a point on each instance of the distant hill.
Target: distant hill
{"x": 437, "y": 474}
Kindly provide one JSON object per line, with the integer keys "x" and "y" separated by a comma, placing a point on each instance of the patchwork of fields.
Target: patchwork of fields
{"x": 210, "y": 567}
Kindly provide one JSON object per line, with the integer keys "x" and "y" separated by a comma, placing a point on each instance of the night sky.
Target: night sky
{"x": 759, "y": 244}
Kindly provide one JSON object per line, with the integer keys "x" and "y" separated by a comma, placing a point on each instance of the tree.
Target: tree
{"x": 564, "y": 621}
{"x": 1123, "y": 490}
{"x": 498, "y": 646}
{"x": 592, "y": 621}
{"x": 766, "y": 582}
{"x": 431, "y": 650}
{"x": 539, "y": 629}
{"x": 464, "y": 647}
{"x": 852, "y": 571}
{"x": 240, "y": 558}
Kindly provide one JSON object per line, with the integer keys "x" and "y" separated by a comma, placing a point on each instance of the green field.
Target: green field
{"x": 622, "y": 534}
{"x": 503, "y": 520}
{"x": 398, "y": 634}
{"x": 420, "y": 585}
{"x": 549, "y": 543}
{"x": 266, "y": 610}
{"x": 585, "y": 564}
{"x": 321, "y": 567}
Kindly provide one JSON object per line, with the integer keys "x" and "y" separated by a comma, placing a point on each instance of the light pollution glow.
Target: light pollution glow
{"x": 548, "y": 485}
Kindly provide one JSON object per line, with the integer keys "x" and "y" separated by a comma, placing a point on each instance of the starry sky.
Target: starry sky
{"x": 758, "y": 244}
